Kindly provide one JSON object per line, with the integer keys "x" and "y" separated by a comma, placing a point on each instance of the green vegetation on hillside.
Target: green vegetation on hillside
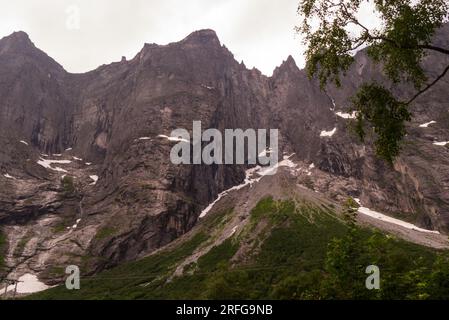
{"x": 291, "y": 250}
{"x": 105, "y": 232}
{"x": 18, "y": 251}
{"x": 68, "y": 186}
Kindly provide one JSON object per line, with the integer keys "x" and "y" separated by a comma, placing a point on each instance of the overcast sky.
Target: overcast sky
{"x": 259, "y": 32}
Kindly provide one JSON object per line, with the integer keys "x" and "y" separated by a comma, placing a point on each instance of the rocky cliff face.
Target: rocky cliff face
{"x": 60, "y": 132}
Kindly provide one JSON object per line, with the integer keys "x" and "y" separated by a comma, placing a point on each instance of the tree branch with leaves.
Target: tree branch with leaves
{"x": 333, "y": 32}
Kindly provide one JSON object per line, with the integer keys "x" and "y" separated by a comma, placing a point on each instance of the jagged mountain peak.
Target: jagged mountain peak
{"x": 290, "y": 61}
{"x": 16, "y": 46}
{"x": 201, "y": 37}
{"x": 204, "y": 36}
{"x": 205, "y": 41}
{"x": 17, "y": 36}
{"x": 17, "y": 41}
{"x": 289, "y": 65}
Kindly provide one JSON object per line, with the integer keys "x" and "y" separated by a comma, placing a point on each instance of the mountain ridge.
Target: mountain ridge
{"x": 201, "y": 36}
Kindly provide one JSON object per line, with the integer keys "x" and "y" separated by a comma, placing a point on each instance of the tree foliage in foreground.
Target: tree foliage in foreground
{"x": 333, "y": 30}
{"x": 401, "y": 277}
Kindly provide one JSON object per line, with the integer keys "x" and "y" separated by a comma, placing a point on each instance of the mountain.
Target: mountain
{"x": 276, "y": 241}
{"x": 86, "y": 178}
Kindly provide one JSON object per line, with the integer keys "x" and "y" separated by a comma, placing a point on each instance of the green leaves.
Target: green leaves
{"x": 377, "y": 107}
{"x": 333, "y": 32}
{"x": 328, "y": 54}
{"x": 329, "y": 46}
{"x": 408, "y": 30}
{"x": 439, "y": 278}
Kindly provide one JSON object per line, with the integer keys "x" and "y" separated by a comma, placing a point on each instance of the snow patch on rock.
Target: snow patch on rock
{"x": 388, "y": 219}
{"x": 286, "y": 162}
{"x": 328, "y": 133}
{"x": 29, "y": 283}
{"x": 426, "y": 125}
{"x": 346, "y": 115}
{"x": 95, "y": 180}
{"x": 266, "y": 152}
{"x": 172, "y": 139}
{"x": 250, "y": 180}
{"x": 76, "y": 224}
{"x": 233, "y": 231}
{"x": 46, "y": 163}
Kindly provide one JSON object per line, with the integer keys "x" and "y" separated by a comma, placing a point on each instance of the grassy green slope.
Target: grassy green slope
{"x": 288, "y": 250}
